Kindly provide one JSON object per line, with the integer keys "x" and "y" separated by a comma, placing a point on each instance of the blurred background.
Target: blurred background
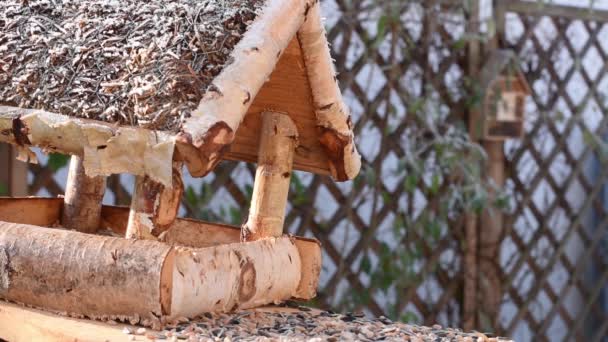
{"x": 510, "y": 236}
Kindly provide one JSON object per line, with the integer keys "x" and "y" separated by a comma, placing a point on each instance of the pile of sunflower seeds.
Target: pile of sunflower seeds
{"x": 300, "y": 324}
{"x": 135, "y": 62}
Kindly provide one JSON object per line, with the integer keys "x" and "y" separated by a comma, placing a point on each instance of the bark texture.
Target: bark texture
{"x": 83, "y": 198}
{"x": 240, "y": 275}
{"x": 154, "y": 207}
{"x": 278, "y": 141}
{"x": 198, "y": 234}
{"x": 104, "y": 148}
{"x": 138, "y": 280}
{"x": 206, "y": 136}
{"x": 333, "y": 117}
{"x": 79, "y": 273}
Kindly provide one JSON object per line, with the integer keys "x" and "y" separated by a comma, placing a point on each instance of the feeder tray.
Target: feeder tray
{"x": 274, "y": 100}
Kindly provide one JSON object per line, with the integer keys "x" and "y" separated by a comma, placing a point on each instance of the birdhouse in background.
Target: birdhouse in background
{"x": 504, "y": 88}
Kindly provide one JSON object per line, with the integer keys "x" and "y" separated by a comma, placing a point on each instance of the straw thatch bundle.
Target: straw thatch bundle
{"x": 145, "y": 63}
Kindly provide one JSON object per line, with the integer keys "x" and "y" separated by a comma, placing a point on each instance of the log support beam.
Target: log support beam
{"x": 278, "y": 140}
{"x": 143, "y": 281}
{"x": 83, "y": 199}
{"x": 153, "y": 206}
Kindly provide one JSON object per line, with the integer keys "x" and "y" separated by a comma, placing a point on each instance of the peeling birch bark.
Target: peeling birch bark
{"x": 153, "y": 206}
{"x": 278, "y": 141}
{"x": 144, "y": 201}
{"x": 333, "y": 117}
{"x": 104, "y": 148}
{"x": 206, "y": 136}
{"x": 83, "y": 199}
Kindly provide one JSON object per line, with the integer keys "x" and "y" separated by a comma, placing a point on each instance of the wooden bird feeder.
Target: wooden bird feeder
{"x": 147, "y": 103}
{"x": 505, "y": 89}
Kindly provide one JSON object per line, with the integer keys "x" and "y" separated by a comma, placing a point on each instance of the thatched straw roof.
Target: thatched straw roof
{"x": 169, "y": 80}
{"x": 145, "y": 63}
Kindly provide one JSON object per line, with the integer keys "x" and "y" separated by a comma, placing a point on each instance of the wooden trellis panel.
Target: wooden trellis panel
{"x": 376, "y": 74}
{"x": 554, "y": 250}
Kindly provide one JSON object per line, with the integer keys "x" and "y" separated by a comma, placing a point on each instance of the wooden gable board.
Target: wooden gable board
{"x": 288, "y": 90}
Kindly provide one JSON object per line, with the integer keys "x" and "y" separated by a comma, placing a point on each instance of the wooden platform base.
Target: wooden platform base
{"x": 18, "y": 323}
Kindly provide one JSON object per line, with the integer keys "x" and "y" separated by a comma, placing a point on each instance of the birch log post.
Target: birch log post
{"x": 83, "y": 199}
{"x": 278, "y": 140}
{"x": 153, "y": 206}
{"x": 491, "y": 236}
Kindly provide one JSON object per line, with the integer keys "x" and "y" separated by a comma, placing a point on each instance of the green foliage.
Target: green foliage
{"x": 441, "y": 173}
{"x": 442, "y": 165}
{"x": 298, "y": 190}
{"x": 198, "y": 203}
{"x": 57, "y": 161}
{"x": 381, "y": 29}
{"x": 3, "y": 189}
{"x": 598, "y": 144}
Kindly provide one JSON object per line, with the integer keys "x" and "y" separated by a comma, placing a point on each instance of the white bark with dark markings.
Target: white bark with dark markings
{"x": 333, "y": 117}
{"x": 239, "y": 275}
{"x": 278, "y": 141}
{"x": 141, "y": 280}
{"x": 154, "y": 206}
{"x": 206, "y": 135}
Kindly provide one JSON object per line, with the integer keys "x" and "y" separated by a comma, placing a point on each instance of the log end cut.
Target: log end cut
{"x": 201, "y": 155}
{"x": 234, "y": 276}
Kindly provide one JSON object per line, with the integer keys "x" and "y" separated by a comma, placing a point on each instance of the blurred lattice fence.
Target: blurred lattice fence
{"x": 553, "y": 257}
{"x": 555, "y": 248}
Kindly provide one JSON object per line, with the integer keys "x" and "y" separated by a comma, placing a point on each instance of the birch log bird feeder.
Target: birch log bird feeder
{"x": 148, "y": 88}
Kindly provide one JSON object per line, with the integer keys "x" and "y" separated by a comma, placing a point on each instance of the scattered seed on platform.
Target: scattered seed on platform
{"x": 306, "y": 324}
